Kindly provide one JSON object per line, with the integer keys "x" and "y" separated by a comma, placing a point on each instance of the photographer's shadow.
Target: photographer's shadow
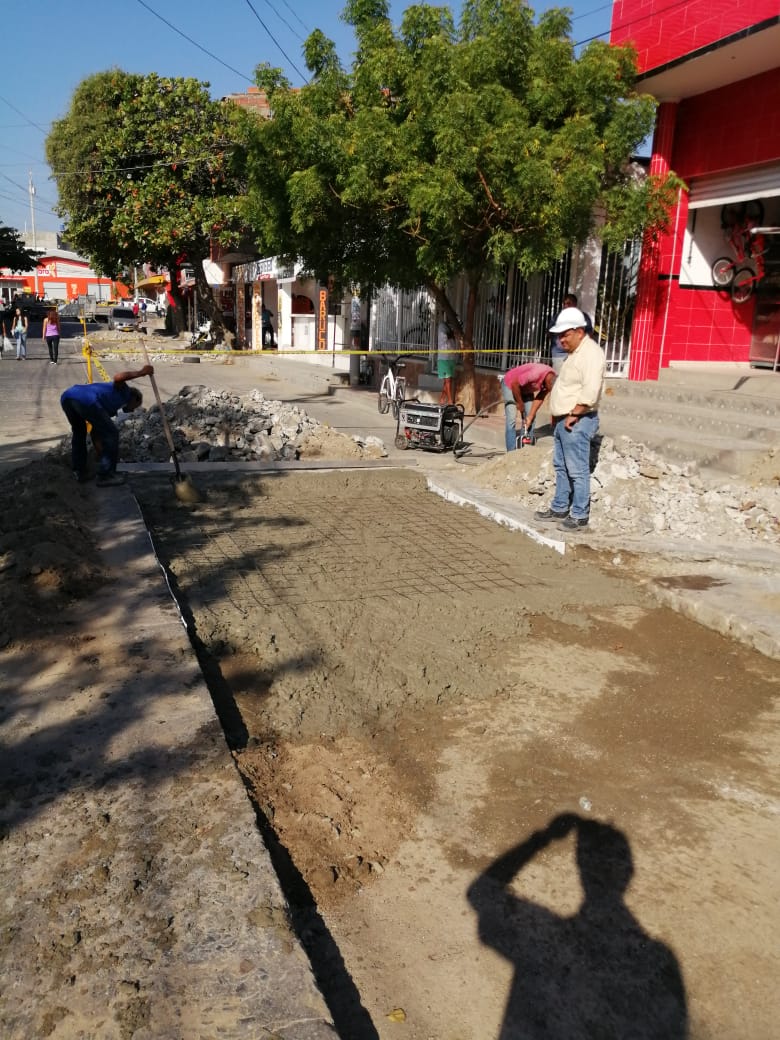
{"x": 596, "y": 974}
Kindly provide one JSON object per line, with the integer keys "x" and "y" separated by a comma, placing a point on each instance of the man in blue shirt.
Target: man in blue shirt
{"x": 96, "y": 404}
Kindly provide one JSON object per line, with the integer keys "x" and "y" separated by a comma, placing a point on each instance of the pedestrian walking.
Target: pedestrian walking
{"x": 574, "y": 402}
{"x": 7, "y": 345}
{"x": 19, "y": 327}
{"x": 51, "y": 333}
{"x": 523, "y": 389}
{"x": 96, "y": 404}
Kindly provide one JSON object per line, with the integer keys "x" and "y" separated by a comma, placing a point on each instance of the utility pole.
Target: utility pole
{"x": 32, "y": 222}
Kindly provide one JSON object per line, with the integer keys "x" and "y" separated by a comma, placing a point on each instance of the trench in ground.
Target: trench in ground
{"x": 409, "y": 689}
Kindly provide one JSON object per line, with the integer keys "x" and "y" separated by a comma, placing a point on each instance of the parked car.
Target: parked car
{"x": 122, "y": 319}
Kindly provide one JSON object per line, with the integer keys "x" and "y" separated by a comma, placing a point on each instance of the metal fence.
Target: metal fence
{"x": 402, "y": 320}
{"x": 615, "y": 303}
{"x": 513, "y": 314}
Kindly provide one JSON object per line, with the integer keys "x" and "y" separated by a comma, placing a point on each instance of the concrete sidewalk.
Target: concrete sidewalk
{"x": 175, "y": 926}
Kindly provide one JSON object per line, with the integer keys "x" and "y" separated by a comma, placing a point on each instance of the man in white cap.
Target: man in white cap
{"x": 574, "y": 402}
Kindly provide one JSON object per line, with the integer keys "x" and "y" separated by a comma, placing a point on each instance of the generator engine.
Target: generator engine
{"x": 433, "y": 427}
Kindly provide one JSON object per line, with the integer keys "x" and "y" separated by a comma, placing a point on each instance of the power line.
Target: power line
{"x": 295, "y": 14}
{"x": 633, "y": 21}
{"x": 595, "y": 10}
{"x": 174, "y": 161}
{"x": 281, "y": 49}
{"x": 281, "y": 18}
{"x": 24, "y": 117}
{"x": 193, "y": 42}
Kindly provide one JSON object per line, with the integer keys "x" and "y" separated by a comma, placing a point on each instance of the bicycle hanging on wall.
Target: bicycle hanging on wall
{"x": 741, "y": 223}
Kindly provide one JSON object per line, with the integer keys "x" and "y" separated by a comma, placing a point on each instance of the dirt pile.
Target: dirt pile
{"x": 636, "y": 492}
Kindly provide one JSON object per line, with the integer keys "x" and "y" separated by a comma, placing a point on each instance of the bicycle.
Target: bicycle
{"x": 740, "y": 223}
{"x": 392, "y": 390}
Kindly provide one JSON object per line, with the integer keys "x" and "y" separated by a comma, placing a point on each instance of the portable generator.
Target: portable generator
{"x": 434, "y": 427}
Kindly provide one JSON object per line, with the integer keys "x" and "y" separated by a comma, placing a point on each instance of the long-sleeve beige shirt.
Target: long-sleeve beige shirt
{"x": 580, "y": 380}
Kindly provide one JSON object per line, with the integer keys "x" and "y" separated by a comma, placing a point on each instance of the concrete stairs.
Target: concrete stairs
{"x": 721, "y": 424}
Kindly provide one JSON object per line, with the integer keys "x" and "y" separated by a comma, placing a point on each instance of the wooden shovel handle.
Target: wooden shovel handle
{"x": 153, "y": 381}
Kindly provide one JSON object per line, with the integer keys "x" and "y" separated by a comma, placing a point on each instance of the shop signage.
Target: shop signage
{"x": 264, "y": 270}
{"x": 322, "y": 318}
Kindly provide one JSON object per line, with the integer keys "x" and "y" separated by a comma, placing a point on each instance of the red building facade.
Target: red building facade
{"x": 715, "y": 69}
{"x": 59, "y": 276}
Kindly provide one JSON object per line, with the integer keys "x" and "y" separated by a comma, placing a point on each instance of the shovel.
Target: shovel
{"x": 183, "y": 487}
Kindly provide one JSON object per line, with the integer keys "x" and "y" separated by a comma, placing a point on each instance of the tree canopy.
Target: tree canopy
{"x": 13, "y": 252}
{"x": 147, "y": 171}
{"x": 450, "y": 149}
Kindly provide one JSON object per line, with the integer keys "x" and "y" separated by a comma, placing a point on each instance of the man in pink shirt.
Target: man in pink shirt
{"x": 524, "y": 387}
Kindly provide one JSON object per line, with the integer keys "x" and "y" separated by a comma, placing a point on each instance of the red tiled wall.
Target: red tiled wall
{"x": 737, "y": 125}
{"x": 662, "y": 30}
{"x": 702, "y": 325}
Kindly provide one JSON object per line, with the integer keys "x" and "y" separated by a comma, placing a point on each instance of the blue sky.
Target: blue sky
{"x": 51, "y": 46}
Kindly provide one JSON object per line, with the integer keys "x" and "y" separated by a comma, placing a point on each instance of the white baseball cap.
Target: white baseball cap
{"x": 569, "y": 318}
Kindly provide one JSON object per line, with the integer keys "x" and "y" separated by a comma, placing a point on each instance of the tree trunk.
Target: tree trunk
{"x": 465, "y": 386}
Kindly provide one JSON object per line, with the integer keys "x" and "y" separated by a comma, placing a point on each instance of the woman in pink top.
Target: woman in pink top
{"x": 524, "y": 387}
{"x": 51, "y": 333}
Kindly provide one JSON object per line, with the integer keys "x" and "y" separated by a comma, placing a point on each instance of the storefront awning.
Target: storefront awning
{"x": 721, "y": 189}
{"x": 153, "y": 281}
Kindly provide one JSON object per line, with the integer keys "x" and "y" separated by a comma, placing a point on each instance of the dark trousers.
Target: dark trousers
{"x": 105, "y": 436}
{"x": 53, "y": 343}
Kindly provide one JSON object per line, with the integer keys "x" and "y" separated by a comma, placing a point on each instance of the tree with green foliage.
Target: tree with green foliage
{"x": 451, "y": 149}
{"x": 13, "y": 252}
{"x": 148, "y": 170}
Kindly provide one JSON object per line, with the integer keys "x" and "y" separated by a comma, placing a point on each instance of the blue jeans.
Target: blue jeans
{"x": 105, "y": 436}
{"x": 510, "y": 411}
{"x": 571, "y": 462}
{"x": 21, "y": 343}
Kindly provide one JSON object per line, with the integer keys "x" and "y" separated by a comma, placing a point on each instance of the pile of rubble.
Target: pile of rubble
{"x": 218, "y": 426}
{"x": 637, "y": 492}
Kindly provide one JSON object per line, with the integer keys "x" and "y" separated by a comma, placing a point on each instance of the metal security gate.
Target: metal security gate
{"x": 513, "y": 314}
{"x": 615, "y": 304}
{"x": 402, "y": 320}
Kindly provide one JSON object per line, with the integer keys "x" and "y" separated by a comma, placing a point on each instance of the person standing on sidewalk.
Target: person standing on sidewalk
{"x": 558, "y": 353}
{"x": 446, "y": 361}
{"x": 96, "y": 404}
{"x": 574, "y": 402}
{"x": 524, "y": 387}
{"x": 267, "y": 327}
{"x": 19, "y": 327}
{"x": 51, "y": 333}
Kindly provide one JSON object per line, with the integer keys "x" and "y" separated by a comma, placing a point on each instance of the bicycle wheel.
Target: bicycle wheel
{"x": 398, "y": 400}
{"x": 742, "y": 286}
{"x": 723, "y": 272}
{"x": 383, "y": 401}
{"x": 732, "y": 214}
{"x": 754, "y": 212}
